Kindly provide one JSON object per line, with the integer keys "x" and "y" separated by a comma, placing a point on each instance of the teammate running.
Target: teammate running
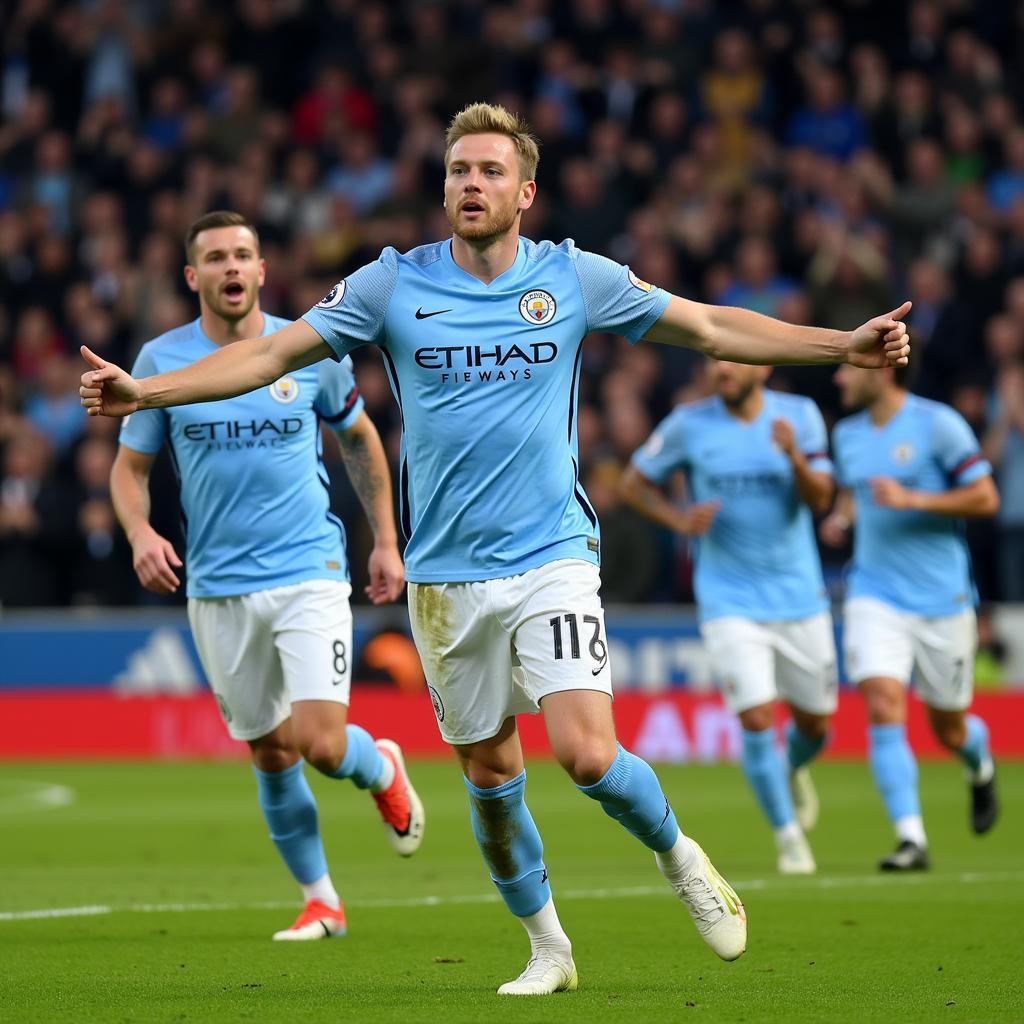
{"x": 756, "y": 464}
{"x": 911, "y": 469}
{"x": 268, "y": 590}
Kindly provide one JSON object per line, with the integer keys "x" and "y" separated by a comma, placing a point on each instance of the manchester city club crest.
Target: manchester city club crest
{"x": 333, "y": 297}
{"x": 903, "y": 453}
{"x": 537, "y": 307}
{"x": 285, "y": 390}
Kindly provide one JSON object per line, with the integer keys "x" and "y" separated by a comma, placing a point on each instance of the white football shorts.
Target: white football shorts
{"x": 264, "y": 651}
{"x": 755, "y": 663}
{"x": 493, "y": 649}
{"x": 937, "y": 654}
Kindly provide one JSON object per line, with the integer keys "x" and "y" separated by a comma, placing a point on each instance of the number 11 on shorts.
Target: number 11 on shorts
{"x": 598, "y": 649}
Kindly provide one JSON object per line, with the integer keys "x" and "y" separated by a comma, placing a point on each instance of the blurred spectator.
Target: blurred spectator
{"x": 55, "y": 410}
{"x": 828, "y": 124}
{"x": 734, "y": 94}
{"x": 101, "y": 569}
{"x": 1007, "y": 184}
{"x": 1004, "y": 447}
{"x": 362, "y": 177}
{"x": 35, "y": 525}
{"x": 757, "y": 285}
{"x": 36, "y": 341}
{"x": 333, "y": 98}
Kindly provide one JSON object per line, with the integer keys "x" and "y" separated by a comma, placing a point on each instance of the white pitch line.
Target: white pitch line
{"x": 28, "y": 792}
{"x": 745, "y": 885}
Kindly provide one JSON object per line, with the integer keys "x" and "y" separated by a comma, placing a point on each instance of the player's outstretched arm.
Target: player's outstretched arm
{"x": 367, "y": 468}
{"x": 235, "y": 369}
{"x": 741, "y": 336}
{"x": 647, "y": 498}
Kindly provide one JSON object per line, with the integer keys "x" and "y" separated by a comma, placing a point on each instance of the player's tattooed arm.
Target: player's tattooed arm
{"x": 648, "y": 499}
{"x": 742, "y": 336}
{"x": 367, "y": 468}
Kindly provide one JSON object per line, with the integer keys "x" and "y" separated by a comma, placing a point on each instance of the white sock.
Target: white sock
{"x": 323, "y": 890}
{"x": 545, "y": 931}
{"x": 985, "y": 771}
{"x": 387, "y": 775}
{"x": 791, "y": 830}
{"x": 679, "y": 861}
{"x": 911, "y": 828}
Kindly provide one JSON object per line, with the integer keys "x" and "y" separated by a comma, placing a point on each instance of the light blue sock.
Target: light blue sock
{"x": 766, "y": 773}
{"x": 511, "y": 845}
{"x": 290, "y": 811}
{"x": 363, "y": 762}
{"x": 801, "y": 748}
{"x": 894, "y": 769}
{"x": 630, "y": 793}
{"x": 974, "y": 753}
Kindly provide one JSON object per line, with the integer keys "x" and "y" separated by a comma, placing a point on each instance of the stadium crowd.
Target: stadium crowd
{"x": 817, "y": 162}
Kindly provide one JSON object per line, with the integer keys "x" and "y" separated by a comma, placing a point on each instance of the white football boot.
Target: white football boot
{"x": 795, "y": 857}
{"x": 545, "y": 974}
{"x": 713, "y": 904}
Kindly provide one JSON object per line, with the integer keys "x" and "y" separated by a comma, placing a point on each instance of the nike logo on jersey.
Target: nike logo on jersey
{"x": 420, "y": 315}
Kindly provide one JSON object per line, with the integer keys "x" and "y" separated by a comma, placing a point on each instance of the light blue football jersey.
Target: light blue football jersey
{"x": 916, "y": 561}
{"x": 486, "y": 377}
{"x": 759, "y": 560}
{"x": 253, "y": 482}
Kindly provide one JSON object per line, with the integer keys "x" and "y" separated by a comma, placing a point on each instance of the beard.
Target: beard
{"x": 737, "y": 399}
{"x": 498, "y": 221}
{"x": 216, "y": 300}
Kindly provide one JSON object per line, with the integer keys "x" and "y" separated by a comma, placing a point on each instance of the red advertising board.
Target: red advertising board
{"x": 673, "y": 727}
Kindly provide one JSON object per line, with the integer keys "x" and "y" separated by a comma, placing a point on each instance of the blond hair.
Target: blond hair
{"x": 491, "y": 119}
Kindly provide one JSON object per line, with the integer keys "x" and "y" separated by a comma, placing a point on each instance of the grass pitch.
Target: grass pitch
{"x": 148, "y": 893}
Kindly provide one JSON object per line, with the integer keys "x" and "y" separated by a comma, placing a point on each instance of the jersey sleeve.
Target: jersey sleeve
{"x": 957, "y": 449}
{"x": 615, "y": 299}
{"x": 664, "y": 451}
{"x": 352, "y": 313}
{"x": 812, "y": 439}
{"x": 338, "y": 401}
{"x": 145, "y": 431}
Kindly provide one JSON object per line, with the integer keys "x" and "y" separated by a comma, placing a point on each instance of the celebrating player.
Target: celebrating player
{"x": 481, "y": 336}
{"x": 267, "y": 573}
{"x": 756, "y": 465}
{"x": 911, "y": 470}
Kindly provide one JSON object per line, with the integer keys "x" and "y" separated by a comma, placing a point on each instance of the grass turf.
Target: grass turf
{"x": 185, "y": 889}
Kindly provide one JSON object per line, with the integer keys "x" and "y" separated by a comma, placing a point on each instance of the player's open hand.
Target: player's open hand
{"x": 889, "y": 493}
{"x": 106, "y": 389}
{"x": 154, "y": 561}
{"x": 881, "y": 342}
{"x": 387, "y": 574}
{"x": 699, "y": 517}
